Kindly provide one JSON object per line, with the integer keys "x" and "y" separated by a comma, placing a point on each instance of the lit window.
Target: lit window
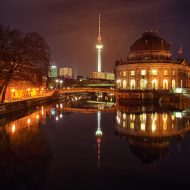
{"x": 165, "y": 72}
{"x": 124, "y": 84}
{"x": 165, "y": 84}
{"x": 143, "y": 72}
{"x": 124, "y": 73}
{"x": 124, "y": 116}
{"x": 132, "y": 73}
{"x": 132, "y": 125}
{"x": 132, "y": 84}
{"x": 142, "y": 126}
{"x": 173, "y": 73}
{"x": 155, "y": 84}
{"x": 132, "y": 117}
{"x": 173, "y": 83}
{"x": 143, "y": 117}
{"x": 154, "y": 72}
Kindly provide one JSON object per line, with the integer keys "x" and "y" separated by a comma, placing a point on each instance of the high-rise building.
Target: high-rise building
{"x": 99, "y": 46}
{"x": 66, "y": 72}
{"x": 52, "y": 71}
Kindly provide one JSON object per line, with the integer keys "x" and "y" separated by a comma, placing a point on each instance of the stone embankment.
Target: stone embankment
{"x": 11, "y": 107}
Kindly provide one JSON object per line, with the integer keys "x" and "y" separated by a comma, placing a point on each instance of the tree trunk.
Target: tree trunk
{"x": 2, "y": 87}
{"x": 4, "y": 93}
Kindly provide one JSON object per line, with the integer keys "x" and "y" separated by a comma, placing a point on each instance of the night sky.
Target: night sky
{"x": 71, "y": 27}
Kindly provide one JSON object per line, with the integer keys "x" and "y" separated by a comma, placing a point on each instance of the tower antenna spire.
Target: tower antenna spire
{"x": 99, "y": 28}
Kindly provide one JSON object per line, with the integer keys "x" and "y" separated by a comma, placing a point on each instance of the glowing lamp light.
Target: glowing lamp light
{"x": 13, "y": 90}
{"x": 13, "y": 128}
{"x": 57, "y": 118}
{"x": 178, "y": 90}
{"x": 28, "y": 121}
{"x": 28, "y": 89}
{"x": 37, "y": 116}
{"x": 178, "y": 114}
{"x": 61, "y": 115}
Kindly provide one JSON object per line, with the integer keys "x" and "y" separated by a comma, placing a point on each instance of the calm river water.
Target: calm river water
{"x": 55, "y": 147}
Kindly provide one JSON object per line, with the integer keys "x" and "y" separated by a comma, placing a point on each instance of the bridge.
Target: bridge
{"x": 87, "y": 90}
{"x": 89, "y": 110}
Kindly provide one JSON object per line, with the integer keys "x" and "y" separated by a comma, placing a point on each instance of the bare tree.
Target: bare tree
{"x": 21, "y": 57}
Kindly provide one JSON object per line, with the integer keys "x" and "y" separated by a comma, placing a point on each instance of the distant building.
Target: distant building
{"x": 103, "y": 75}
{"x": 149, "y": 65}
{"x": 52, "y": 71}
{"x": 66, "y": 72}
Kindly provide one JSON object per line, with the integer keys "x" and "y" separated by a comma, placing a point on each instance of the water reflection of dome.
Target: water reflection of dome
{"x": 149, "y": 135}
{"x": 148, "y": 150}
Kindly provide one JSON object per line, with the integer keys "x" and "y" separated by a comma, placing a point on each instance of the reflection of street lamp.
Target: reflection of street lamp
{"x": 42, "y": 91}
{"x": 57, "y": 81}
{"x": 29, "y": 92}
{"x": 61, "y": 82}
{"x": 13, "y": 91}
{"x": 28, "y": 121}
{"x": 13, "y": 128}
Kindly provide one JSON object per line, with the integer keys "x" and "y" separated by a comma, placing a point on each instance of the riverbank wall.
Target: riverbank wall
{"x": 11, "y": 107}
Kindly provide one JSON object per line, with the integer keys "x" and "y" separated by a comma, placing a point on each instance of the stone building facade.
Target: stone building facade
{"x": 149, "y": 65}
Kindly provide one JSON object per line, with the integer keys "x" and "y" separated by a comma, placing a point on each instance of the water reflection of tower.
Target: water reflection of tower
{"x": 99, "y": 136}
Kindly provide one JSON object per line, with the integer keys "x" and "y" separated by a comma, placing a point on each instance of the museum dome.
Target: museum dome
{"x": 150, "y": 46}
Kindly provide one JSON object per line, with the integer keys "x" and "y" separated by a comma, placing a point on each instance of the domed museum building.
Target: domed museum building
{"x": 149, "y": 66}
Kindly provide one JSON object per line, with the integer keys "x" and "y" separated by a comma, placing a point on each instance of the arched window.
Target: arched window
{"x": 124, "y": 84}
{"x": 165, "y": 84}
{"x": 143, "y": 83}
{"x": 132, "y": 84}
{"x": 154, "y": 84}
{"x": 118, "y": 83}
{"x": 173, "y": 83}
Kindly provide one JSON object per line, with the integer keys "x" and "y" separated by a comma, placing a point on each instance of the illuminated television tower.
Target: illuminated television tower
{"x": 99, "y": 136}
{"x": 99, "y": 46}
